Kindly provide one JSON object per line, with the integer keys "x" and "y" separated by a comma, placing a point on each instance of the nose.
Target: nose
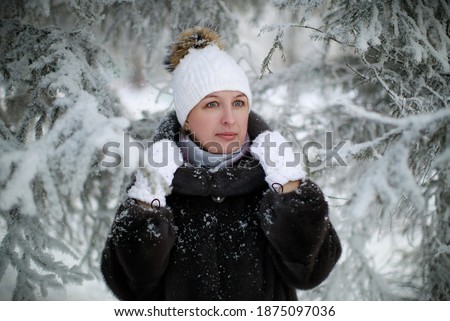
{"x": 228, "y": 117}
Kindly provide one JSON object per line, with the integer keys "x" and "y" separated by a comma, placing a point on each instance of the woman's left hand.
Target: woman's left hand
{"x": 277, "y": 158}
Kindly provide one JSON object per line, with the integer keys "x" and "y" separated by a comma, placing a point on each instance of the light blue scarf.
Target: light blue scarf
{"x": 196, "y": 156}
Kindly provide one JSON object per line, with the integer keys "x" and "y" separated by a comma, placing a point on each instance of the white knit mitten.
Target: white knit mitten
{"x": 277, "y": 158}
{"x": 154, "y": 181}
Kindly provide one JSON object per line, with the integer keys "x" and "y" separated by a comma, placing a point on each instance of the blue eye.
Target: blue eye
{"x": 212, "y": 104}
{"x": 238, "y": 103}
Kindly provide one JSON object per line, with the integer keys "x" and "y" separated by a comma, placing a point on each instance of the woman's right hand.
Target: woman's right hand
{"x": 153, "y": 182}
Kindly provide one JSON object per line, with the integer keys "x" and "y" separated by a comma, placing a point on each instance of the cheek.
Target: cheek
{"x": 202, "y": 129}
{"x": 243, "y": 124}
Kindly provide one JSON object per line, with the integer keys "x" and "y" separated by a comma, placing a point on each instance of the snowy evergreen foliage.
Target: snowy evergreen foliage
{"x": 56, "y": 113}
{"x": 387, "y": 94}
{"x": 382, "y": 76}
{"x": 57, "y": 110}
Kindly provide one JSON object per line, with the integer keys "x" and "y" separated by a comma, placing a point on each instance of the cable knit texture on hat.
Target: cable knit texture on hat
{"x": 204, "y": 69}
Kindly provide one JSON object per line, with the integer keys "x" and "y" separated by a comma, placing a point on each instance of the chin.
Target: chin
{"x": 232, "y": 150}
{"x": 224, "y": 148}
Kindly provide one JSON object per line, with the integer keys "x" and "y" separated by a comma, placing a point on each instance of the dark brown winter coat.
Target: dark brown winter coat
{"x": 223, "y": 236}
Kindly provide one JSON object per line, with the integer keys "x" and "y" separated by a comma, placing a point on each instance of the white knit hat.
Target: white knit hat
{"x": 202, "y": 70}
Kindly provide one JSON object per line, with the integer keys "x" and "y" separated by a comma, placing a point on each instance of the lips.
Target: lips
{"x": 227, "y": 135}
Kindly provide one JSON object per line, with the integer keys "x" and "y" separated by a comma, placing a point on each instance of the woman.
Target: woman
{"x": 221, "y": 210}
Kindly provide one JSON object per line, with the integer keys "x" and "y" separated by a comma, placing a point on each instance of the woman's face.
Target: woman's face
{"x": 219, "y": 121}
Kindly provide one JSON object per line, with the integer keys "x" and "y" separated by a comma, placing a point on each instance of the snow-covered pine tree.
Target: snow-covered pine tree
{"x": 384, "y": 74}
{"x": 57, "y": 110}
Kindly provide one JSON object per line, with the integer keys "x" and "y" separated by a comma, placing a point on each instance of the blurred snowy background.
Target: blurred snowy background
{"x": 360, "y": 87}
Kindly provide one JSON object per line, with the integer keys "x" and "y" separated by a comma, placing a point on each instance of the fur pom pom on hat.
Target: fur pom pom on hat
{"x": 199, "y": 67}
